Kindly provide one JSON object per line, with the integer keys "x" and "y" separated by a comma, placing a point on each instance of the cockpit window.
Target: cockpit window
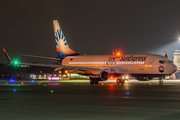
{"x": 165, "y": 61}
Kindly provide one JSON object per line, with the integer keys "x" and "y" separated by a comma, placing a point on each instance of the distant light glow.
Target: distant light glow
{"x": 66, "y": 71}
{"x": 32, "y": 81}
{"x": 22, "y": 83}
{"x": 51, "y": 91}
{"x": 44, "y": 85}
{"x": 127, "y": 93}
{"x": 53, "y": 78}
{"x": 14, "y": 90}
{"x": 18, "y": 85}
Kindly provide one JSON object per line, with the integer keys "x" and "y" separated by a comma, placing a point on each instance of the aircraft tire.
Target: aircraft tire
{"x": 91, "y": 81}
{"x": 96, "y": 82}
{"x": 161, "y": 82}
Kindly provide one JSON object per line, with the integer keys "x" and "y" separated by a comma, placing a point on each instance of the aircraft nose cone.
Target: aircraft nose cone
{"x": 173, "y": 68}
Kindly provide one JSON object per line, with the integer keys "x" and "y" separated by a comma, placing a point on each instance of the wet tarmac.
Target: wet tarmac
{"x": 78, "y": 100}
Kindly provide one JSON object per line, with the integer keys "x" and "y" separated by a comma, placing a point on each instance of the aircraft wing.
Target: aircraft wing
{"x": 50, "y": 58}
{"x": 57, "y": 66}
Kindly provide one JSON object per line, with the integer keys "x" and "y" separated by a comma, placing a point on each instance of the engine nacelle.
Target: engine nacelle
{"x": 141, "y": 78}
{"x": 103, "y": 75}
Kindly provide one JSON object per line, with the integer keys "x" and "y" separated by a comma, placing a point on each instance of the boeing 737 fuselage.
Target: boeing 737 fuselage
{"x": 103, "y": 67}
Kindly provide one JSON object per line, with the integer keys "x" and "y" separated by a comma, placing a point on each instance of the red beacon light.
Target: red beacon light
{"x": 118, "y": 54}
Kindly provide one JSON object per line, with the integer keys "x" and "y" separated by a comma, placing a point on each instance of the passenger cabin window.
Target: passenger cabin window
{"x": 165, "y": 61}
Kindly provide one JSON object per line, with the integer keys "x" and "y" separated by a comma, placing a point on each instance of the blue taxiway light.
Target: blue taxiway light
{"x": 14, "y": 90}
{"x": 12, "y": 80}
{"x": 32, "y": 81}
{"x": 127, "y": 93}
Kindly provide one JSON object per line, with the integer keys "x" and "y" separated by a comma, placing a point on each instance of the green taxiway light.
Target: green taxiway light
{"x": 119, "y": 83}
{"x": 171, "y": 84}
{"x": 51, "y": 91}
{"x": 38, "y": 82}
{"x": 44, "y": 85}
{"x": 6, "y": 82}
{"x": 76, "y": 83}
{"x": 18, "y": 85}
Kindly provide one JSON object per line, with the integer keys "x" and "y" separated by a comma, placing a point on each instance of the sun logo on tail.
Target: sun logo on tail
{"x": 60, "y": 36}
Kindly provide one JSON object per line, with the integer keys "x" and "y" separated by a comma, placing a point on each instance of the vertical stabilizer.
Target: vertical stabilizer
{"x": 62, "y": 46}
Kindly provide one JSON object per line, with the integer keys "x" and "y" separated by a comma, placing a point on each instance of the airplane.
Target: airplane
{"x": 103, "y": 67}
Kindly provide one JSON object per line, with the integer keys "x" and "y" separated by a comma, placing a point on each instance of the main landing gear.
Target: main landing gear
{"x": 94, "y": 81}
{"x": 161, "y": 82}
{"x": 120, "y": 81}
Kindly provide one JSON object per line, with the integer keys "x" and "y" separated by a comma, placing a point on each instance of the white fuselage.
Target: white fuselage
{"x": 133, "y": 64}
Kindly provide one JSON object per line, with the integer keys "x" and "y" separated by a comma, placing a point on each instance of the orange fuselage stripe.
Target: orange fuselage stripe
{"x": 71, "y": 52}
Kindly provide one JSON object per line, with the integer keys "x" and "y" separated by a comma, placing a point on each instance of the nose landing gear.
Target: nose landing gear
{"x": 161, "y": 82}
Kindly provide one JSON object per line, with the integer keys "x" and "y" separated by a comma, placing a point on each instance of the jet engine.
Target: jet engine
{"x": 99, "y": 75}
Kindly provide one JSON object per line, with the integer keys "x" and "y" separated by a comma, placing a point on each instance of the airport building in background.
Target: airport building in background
{"x": 176, "y": 60}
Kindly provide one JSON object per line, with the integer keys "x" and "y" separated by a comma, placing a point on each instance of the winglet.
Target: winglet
{"x": 7, "y": 56}
{"x": 165, "y": 54}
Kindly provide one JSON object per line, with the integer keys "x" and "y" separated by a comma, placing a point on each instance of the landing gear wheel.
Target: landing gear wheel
{"x": 92, "y": 81}
{"x": 161, "y": 82}
{"x": 96, "y": 82}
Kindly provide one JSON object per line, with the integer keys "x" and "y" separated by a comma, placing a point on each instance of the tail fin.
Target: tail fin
{"x": 165, "y": 54}
{"x": 62, "y": 46}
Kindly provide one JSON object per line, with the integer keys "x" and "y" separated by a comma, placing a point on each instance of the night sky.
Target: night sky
{"x": 93, "y": 27}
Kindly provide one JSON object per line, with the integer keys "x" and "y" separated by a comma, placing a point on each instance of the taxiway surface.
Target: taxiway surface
{"x": 78, "y": 100}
